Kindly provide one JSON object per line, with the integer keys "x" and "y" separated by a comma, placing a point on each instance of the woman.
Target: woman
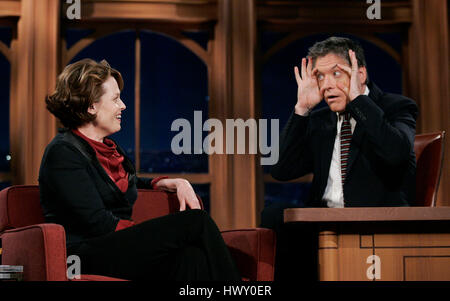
{"x": 89, "y": 186}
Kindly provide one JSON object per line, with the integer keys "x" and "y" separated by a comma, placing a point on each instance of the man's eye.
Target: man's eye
{"x": 337, "y": 73}
{"x": 320, "y": 76}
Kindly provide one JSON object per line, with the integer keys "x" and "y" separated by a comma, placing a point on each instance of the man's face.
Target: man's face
{"x": 334, "y": 83}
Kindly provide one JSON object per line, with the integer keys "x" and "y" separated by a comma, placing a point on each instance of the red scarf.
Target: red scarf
{"x": 110, "y": 159}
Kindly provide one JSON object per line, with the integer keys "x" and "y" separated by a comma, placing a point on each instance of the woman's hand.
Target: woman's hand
{"x": 185, "y": 193}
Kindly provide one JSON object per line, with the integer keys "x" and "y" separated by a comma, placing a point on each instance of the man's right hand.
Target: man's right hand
{"x": 308, "y": 95}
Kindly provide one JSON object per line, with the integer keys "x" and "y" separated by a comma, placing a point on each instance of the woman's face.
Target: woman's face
{"x": 108, "y": 109}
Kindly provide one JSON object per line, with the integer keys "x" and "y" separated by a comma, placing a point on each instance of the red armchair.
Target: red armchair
{"x": 429, "y": 149}
{"x": 40, "y": 247}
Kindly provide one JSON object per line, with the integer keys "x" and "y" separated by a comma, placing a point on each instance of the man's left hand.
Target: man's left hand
{"x": 356, "y": 88}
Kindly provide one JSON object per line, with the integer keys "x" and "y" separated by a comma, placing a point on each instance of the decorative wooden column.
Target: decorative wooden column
{"x": 429, "y": 76}
{"x": 236, "y": 191}
{"x": 35, "y": 67}
{"x": 220, "y": 165}
{"x": 247, "y": 180}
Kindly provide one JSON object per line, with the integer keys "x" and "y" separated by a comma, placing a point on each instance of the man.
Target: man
{"x": 359, "y": 148}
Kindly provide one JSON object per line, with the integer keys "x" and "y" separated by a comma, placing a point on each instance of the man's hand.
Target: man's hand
{"x": 308, "y": 95}
{"x": 356, "y": 88}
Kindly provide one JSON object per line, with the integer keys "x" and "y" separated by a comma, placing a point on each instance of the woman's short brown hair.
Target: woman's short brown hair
{"x": 77, "y": 88}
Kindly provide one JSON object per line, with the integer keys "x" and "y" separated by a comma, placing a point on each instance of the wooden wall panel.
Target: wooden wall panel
{"x": 248, "y": 196}
{"x": 429, "y": 76}
{"x": 35, "y": 67}
{"x": 236, "y": 195}
{"x": 9, "y": 8}
{"x": 420, "y": 268}
{"x": 220, "y": 165}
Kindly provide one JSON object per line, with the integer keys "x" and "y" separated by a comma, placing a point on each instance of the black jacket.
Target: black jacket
{"x": 77, "y": 193}
{"x": 382, "y": 164}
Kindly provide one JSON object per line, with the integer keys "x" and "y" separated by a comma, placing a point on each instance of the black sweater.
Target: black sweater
{"x": 77, "y": 193}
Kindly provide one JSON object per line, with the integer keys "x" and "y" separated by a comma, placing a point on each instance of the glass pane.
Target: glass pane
{"x": 6, "y": 35}
{"x": 73, "y": 35}
{"x": 200, "y": 37}
{"x": 119, "y": 50}
{"x": 173, "y": 85}
{"x": 5, "y": 72}
{"x": 292, "y": 193}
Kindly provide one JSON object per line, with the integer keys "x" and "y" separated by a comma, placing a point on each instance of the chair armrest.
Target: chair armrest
{"x": 87, "y": 277}
{"x": 155, "y": 203}
{"x": 40, "y": 249}
{"x": 253, "y": 251}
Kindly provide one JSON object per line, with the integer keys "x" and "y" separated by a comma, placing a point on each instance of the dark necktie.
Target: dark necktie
{"x": 346, "y": 137}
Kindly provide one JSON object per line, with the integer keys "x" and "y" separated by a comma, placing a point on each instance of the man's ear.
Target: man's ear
{"x": 362, "y": 73}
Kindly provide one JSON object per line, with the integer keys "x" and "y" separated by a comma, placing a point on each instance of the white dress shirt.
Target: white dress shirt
{"x": 334, "y": 194}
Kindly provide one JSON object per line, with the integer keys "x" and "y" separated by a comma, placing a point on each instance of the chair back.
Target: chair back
{"x": 429, "y": 149}
{"x": 19, "y": 207}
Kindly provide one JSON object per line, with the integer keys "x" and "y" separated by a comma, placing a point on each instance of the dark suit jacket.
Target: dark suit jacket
{"x": 381, "y": 166}
{"x": 76, "y": 191}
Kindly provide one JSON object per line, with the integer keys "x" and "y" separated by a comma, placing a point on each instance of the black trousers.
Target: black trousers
{"x": 297, "y": 245}
{"x": 182, "y": 246}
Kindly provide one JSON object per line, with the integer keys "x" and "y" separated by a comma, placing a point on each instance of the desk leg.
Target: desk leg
{"x": 328, "y": 256}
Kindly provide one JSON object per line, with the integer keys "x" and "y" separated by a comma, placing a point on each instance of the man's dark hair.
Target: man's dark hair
{"x": 338, "y": 46}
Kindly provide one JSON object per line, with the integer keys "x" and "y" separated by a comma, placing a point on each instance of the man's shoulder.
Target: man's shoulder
{"x": 393, "y": 98}
{"x": 391, "y": 102}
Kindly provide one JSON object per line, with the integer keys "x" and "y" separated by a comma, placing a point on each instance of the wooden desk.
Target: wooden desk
{"x": 383, "y": 243}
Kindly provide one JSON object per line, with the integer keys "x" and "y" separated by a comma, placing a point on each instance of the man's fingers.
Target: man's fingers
{"x": 343, "y": 88}
{"x": 297, "y": 75}
{"x": 353, "y": 60}
{"x": 345, "y": 69}
{"x": 303, "y": 68}
{"x": 309, "y": 68}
